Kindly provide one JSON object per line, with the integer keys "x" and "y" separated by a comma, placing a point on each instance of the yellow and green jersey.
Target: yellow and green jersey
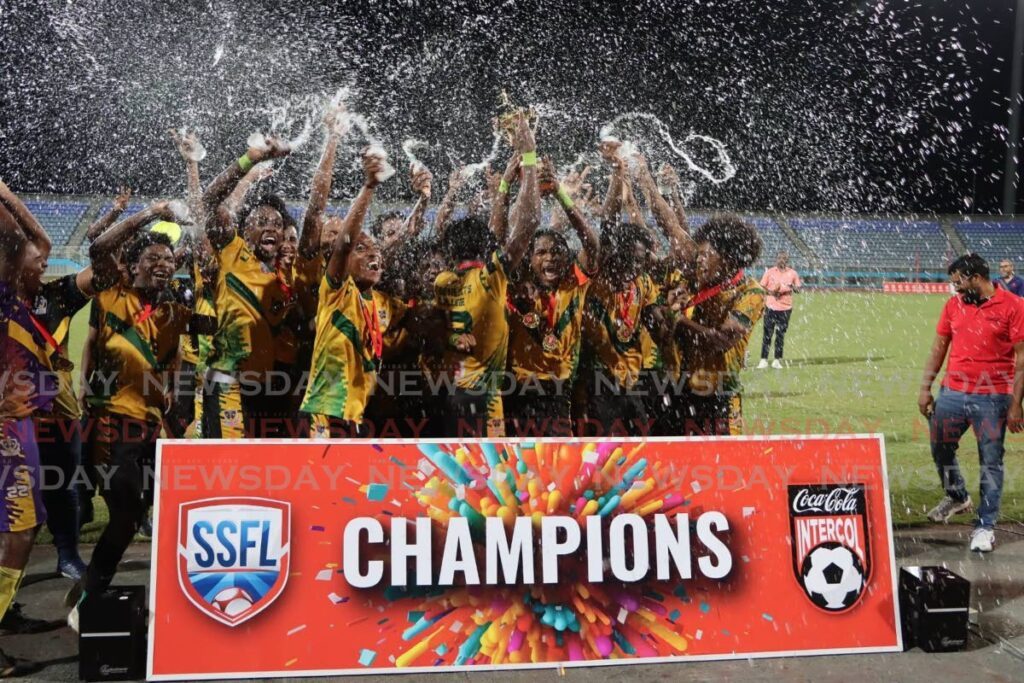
{"x": 718, "y": 371}
{"x": 250, "y": 305}
{"x": 612, "y": 328}
{"x": 473, "y": 298}
{"x": 345, "y": 363}
{"x": 137, "y": 343}
{"x": 544, "y": 340}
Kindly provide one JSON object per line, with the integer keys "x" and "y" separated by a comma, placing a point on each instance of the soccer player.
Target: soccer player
{"x": 1007, "y": 280}
{"x": 352, "y": 319}
{"x": 473, "y": 296}
{"x": 26, "y": 387}
{"x": 716, "y": 329}
{"x": 781, "y": 282}
{"x": 981, "y": 330}
{"x": 139, "y": 325}
{"x": 546, "y": 319}
{"x": 52, "y": 305}
{"x": 249, "y": 300}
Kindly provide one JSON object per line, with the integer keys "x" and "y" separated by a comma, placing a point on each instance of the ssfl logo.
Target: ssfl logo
{"x": 233, "y": 555}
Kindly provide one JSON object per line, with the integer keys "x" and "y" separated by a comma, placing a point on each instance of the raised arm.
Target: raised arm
{"x": 564, "y": 193}
{"x": 103, "y": 252}
{"x": 192, "y": 152}
{"x": 610, "y": 152}
{"x": 336, "y": 123}
{"x": 219, "y": 226}
{"x": 107, "y": 219}
{"x": 352, "y": 225}
{"x": 422, "y": 181}
{"x": 680, "y": 243}
{"x": 526, "y": 218}
{"x": 670, "y": 179}
{"x": 444, "y": 212}
{"x": 12, "y": 241}
{"x": 257, "y": 174}
{"x": 498, "y": 222}
{"x": 24, "y": 218}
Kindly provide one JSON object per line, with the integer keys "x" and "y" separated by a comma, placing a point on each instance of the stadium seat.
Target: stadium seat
{"x": 893, "y": 247}
{"x": 994, "y": 240}
{"x": 59, "y": 219}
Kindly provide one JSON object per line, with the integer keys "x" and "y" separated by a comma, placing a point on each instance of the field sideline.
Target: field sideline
{"x": 854, "y": 366}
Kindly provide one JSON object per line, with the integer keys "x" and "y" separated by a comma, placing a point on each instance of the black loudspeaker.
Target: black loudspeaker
{"x": 112, "y": 635}
{"x": 934, "y": 604}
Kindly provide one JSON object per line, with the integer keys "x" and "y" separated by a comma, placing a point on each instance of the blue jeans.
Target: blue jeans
{"x": 955, "y": 411}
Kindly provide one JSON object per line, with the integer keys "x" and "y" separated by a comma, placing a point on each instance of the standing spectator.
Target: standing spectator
{"x": 780, "y": 282}
{"x": 982, "y": 329}
{"x": 1009, "y": 281}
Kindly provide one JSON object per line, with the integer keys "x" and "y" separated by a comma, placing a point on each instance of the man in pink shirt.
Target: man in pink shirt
{"x": 780, "y": 282}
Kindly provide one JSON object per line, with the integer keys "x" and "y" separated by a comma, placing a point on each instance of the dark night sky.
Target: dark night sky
{"x": 831, "y": 106}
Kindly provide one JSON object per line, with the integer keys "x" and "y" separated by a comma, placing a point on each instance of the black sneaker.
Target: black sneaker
{"x": 146, "y": 528}
{"x": 15, "y": 623}
{"x": 11, "y": 667}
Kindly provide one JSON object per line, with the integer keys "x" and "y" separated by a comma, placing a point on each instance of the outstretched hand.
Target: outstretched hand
{"x": 668, "y": 176}
{"x": 523, "y": 140}
{"x": 573, "y": 182}
{"x": 337, "y": 121}
{"x": 372, "y": 165}
{"x": 121, "y": 200}
{"x": 422, "y": 181}
{"x": 272, "y": 148}
{"x": 611, "y": 151}
{"x": 188, "y": 144}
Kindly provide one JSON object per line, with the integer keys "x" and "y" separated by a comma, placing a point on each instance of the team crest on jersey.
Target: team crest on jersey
{"x": 10, "y": 448}
{"x": 233, "y": 555}
{"x": 829, "y": 538}
{"x": 232, "y": 418}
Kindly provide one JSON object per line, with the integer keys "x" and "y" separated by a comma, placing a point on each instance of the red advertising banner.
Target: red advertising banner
{"x": 301, "y": 558}
{"x": 917, "y": 288}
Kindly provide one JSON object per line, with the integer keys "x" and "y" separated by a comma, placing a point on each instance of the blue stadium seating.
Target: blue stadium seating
{"x": 58, "y": 218}
{"x": 895, "y": 246}
{"x": 774, "y": 240}
{"x": 994, "y": 240}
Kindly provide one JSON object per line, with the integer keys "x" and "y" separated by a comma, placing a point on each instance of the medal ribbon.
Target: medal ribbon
{"x": 466, "y": 265}
{"x": 45, "y": 334}
{"x": 625, "y": 302}
{"x": 705, "y": 294}
{"x": 372, "y": 320}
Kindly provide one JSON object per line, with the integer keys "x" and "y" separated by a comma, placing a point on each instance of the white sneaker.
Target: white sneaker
{"x": 777, "y": 364}
{"x": 983, "y": 540}
{"x": 73, "y": 618}
{"x": 763, "y": 364}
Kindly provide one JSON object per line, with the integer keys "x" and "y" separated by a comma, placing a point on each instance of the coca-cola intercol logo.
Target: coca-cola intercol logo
{"x": 836, "y": 501}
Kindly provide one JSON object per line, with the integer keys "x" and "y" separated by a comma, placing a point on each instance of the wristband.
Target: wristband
{"x": 503, "y": 186}
{"x": 529, "y": 159}
{"x": 564, "y": 198}
{"x": 244, "y": 162}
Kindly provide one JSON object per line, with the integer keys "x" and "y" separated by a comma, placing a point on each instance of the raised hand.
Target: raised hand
{"x": 271, "y": 148}
{"x": 372, "y": 165}
{"x": 573, "y": 182}
{"x": 188, "y": 145}
{"x": 547, "y": 181}
{"x": 523, "y": 139}
{"x": 422, "y": 181}
{"x": 611, "y": 151}
{"x": 121, "y": 200}
{"x": 337, "y": 120}
{"x": 668, "y": 177}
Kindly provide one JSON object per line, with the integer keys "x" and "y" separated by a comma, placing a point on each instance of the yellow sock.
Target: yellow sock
{"x": 10, "y": 579}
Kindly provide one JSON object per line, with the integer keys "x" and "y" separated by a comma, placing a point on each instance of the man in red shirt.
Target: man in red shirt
{"x": 982, "y": 330}
{"x": 780, "y": 282}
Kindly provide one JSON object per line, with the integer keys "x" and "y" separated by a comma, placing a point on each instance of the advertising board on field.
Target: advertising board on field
{"x": 299, "y": 558}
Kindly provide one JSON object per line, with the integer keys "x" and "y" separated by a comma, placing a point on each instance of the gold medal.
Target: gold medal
{"x": 624, "y": 333}
{"x": 550, "y": 343}
{"x": 62, "y": 364}
{"x": 531, "y": 320}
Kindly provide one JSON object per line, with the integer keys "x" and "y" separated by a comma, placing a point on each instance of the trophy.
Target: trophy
{"x": 506, "y": 121}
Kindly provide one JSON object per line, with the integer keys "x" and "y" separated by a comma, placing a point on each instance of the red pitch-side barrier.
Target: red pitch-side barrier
{"x": 306, "y": 558}
{"x": 916, "y": 288}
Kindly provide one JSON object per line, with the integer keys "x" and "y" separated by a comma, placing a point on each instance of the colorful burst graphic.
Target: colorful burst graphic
{"x": 573, "y": 620}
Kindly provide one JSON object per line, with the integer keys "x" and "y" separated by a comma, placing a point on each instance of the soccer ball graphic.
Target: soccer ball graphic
{"x": 232, "y": 601}
{"x": 833, "y": 576}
